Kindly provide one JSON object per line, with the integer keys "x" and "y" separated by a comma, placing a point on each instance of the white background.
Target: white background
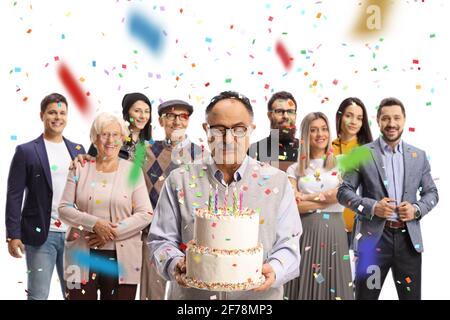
{"x": 97, "y": 31}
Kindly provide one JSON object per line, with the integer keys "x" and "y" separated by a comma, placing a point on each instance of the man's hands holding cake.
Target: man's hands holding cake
{"x": 269, "y": 274}
{"x": 180, "y": 272}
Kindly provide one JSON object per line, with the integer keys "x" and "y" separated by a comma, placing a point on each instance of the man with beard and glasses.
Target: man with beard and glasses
{"x": 388, "y": 212}
{"x": 280, "y": 148}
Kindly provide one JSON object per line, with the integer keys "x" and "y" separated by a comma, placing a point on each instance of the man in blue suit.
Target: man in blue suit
{"x": 39, "y": 169}
{"x": 388, "y": 211}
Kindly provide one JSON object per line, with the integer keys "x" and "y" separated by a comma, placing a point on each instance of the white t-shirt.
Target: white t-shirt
{"x": 317, "y": 179}
{"x": 59, "y": 161}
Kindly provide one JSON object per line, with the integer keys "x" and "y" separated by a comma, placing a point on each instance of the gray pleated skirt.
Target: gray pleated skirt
{"x": 325, "y": 272}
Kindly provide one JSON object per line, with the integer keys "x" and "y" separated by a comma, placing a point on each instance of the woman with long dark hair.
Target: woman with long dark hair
{"x": 353, "y": 130}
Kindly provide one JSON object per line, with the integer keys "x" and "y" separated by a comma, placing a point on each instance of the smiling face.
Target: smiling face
{"x": 175, "y": 121}
{"x": 140, "y": 114}
{"x": 319, "y": 135}
{"x": 54, "y": 118}
{"x": 352, "y": 120}
{"x": 228, "y": 149}
{"x": 109, "y": 141}
{"x": 391, "y": 122}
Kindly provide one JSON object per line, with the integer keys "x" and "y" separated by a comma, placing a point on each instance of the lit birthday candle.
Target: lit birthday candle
{"x": 241, "y": 195}
{"x": 210, "y": 199}
{"x": 216, "y": 200}
{"x": 234, "y": 200}
{"x": 225, "y": 200}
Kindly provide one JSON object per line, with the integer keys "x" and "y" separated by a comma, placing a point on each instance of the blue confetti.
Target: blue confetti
{"x": 96, "y": 263}
{"x": 146, "y": 31}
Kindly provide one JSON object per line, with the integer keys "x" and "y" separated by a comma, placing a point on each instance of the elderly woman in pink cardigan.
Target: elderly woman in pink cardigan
{"x": 106, "y": 212}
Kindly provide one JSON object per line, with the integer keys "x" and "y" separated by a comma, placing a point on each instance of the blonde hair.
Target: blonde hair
{"x": 102, "y": 120}
{"x": 304, "y": 157}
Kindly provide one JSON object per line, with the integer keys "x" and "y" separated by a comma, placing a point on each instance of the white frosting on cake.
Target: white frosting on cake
{"x": 226, "y": 231}
{"x": 224, "y": 267}
{"x": 224, "y": 254}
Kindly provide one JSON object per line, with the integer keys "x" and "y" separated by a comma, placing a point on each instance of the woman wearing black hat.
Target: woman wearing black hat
{"x": 137, "y": 111}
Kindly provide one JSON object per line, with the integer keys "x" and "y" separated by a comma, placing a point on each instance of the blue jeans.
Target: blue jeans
{"x": 41, "y": 261}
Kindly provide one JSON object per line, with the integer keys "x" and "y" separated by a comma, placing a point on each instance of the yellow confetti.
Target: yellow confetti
{"x": 261, "y": 221}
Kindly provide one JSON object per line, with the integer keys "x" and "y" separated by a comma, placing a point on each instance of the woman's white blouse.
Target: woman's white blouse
{"x": 317, "y": 179}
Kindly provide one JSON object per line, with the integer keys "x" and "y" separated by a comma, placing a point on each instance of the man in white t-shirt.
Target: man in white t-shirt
{"x": 39, "y": 169}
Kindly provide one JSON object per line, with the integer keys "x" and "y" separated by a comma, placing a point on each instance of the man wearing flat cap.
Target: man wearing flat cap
{"x": 162, "y": 157}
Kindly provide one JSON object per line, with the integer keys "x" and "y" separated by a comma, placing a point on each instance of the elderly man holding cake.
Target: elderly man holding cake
{"x": 230, "y": 224}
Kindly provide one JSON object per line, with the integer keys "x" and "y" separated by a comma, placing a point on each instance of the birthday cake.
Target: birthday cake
{"x": 224, "y": 254}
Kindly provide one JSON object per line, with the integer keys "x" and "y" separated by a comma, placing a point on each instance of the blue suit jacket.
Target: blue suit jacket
{"x": 370, "y": 176}
{"x": 29, "y": 173}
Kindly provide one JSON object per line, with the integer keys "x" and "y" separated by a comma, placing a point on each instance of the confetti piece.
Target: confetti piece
{"x": 326, "y": 216}
{"x": 360, "y": 208}
{"x": 356, "y": 158}
{"x": 70, "y": 83}
{"x": 54, "y": 167}
{"x": 14, "y": 137}
{"x": 136, "y": 168}
{"x": 283, "y": 55}
{"x": 38, "y": 229}
{"x": 261, "y": 221}
{"x": 408, "y": 280}
{"x": 319, "y": 278}
{"x": 346, "y": 257}
{"x": 96, "y": 262}
{"x": 145, "y": 31}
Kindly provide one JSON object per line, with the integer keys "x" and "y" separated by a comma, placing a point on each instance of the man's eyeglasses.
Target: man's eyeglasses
{"x": 172, "y": 116}
{"x": 221, "y": 131}
{"x": 280, "y": 112}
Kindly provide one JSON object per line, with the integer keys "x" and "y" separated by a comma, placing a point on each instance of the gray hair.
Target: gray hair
{"x": 102, "y": 120}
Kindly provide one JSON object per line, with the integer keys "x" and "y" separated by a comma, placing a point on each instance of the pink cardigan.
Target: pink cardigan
{"x": 130, "y": 209}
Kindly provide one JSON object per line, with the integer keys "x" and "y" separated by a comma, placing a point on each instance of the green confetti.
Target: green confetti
{"x": 228, "y": 80}
{"x": 199, "y": 194}
{"x": 137, "y": 164}
{"x": 356, "y": 158}
{"x": 54, "y": 167}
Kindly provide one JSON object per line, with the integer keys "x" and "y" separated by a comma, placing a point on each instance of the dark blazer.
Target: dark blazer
{"x": 371, "y": 176}
{"x": 29, "y": 173}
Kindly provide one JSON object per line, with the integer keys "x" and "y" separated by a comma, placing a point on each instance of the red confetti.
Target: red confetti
{"x": 415, "y": 61}
{"x": 57, "y": 223}
{"x": 207, "y": 84}
{"x": 270, "y": 18}
{"x": 284, "y": 55}
{"x": 74, "y": 89}
{"x": 267, "y": 191}
{"x": 412, "y": 130}
{"x": 182, "y": 246}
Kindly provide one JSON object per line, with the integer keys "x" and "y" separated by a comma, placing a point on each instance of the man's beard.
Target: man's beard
{"x": 392, "y": 140}
{"x": 285, "y": 133}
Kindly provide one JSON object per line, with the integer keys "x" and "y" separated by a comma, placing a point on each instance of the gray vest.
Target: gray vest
{"x": 191, "y": 185}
